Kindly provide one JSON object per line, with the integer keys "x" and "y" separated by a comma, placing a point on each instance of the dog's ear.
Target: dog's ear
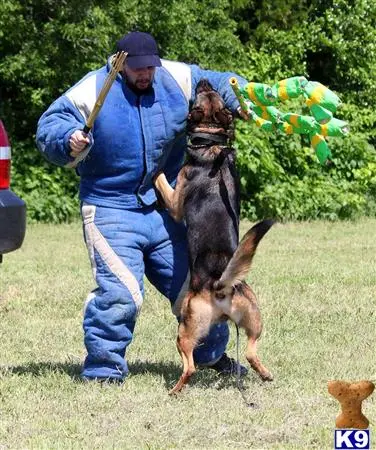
{"x": 203, "y": 86}
{"x": 240, "y": 263}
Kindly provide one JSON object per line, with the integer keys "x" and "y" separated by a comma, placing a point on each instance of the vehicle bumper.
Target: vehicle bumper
{"x": 12, "y": 221}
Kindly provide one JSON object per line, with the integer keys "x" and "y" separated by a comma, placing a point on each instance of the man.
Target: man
{"x": 139, "y": 130}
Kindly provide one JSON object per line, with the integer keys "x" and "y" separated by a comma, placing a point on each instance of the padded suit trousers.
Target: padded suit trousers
{"x": 124, "y": 246}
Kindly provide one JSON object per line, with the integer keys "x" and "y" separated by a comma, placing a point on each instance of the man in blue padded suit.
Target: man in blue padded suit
{"x": 139, "y": 130}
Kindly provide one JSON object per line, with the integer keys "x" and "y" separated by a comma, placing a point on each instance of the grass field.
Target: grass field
{"x": 316, "y": 284}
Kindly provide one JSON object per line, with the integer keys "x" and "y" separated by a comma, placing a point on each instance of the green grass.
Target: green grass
{"x": 316, "y": 284}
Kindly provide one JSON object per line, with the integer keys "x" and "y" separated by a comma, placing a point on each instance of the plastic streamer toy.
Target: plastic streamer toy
{"x": 258, "y": 100}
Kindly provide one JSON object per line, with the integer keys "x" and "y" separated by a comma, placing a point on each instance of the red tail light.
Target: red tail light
{"x": 4, "y": 158}
{"x": 4, "y": 173}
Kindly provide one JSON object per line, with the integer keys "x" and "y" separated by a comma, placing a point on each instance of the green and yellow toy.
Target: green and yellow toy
{"x": 289, "y": 88}
{"x": 258, "y": 100}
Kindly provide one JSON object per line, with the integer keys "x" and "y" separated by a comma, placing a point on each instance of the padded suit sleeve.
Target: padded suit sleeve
{"x": 220, "y": 82}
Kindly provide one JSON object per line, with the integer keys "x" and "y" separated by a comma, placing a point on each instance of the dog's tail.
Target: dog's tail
{"x": 240, "y": 263}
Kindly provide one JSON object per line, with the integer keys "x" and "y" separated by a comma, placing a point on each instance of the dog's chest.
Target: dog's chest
{"x": 212, "y": 192}
{"x": 211, "y": 180}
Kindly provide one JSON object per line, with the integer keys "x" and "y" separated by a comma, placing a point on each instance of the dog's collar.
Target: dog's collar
{"x": 201, "y": 139}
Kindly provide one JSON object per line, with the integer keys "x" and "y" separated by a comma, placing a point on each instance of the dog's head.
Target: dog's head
{"x": 209, "y": 113}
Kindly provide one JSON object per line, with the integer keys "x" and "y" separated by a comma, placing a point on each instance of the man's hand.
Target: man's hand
{"x": 78, "y": 142}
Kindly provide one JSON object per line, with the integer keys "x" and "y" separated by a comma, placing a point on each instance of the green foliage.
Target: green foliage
{"x": 335, "y": 44}
{"x": 50, "y": 192}
{"x": 344, "y": 36}
{"x": 281, "y": 177}
{"x": 46, "y": 46}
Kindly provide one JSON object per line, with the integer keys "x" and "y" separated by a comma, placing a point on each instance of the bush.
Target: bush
{"x": 281, "y": 177}
{"x": 333, "y": 42}
{"x": 50, "y": 192}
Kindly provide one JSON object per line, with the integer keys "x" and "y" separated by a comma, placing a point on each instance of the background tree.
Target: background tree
{"x": 46, "y": 46}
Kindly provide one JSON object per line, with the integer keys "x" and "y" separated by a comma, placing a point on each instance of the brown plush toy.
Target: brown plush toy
{"x": 350, "y": 396}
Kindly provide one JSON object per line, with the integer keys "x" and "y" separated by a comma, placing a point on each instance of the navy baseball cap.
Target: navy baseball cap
{"x": 141, "y": 48}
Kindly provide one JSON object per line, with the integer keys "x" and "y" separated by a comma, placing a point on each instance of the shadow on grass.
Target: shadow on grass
{"x": 169, "y": 371}
{"x": 42, "y": 369}
{"x": 203, "y": 378}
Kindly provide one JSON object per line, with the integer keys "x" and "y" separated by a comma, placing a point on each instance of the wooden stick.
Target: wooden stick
{"x": 117, "y": 65}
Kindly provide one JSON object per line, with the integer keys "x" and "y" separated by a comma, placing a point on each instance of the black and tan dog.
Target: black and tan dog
{"x": 207, "y": 197}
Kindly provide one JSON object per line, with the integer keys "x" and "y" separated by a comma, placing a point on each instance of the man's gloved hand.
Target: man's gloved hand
{"x": 78, "y": 142}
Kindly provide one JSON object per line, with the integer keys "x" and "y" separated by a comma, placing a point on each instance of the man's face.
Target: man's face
{"x": 141, "y": 78}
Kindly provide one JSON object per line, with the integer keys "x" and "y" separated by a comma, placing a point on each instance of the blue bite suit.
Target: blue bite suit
{"x": 127, "y": 237}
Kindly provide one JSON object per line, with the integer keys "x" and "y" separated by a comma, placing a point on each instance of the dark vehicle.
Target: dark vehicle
{"x": 12, "y": 208}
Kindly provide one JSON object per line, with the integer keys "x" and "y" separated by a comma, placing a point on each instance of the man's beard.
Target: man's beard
{"x": 135, "y": 89}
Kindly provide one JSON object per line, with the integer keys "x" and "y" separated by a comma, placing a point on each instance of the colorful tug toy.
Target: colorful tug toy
{"x": 258, "y": 100}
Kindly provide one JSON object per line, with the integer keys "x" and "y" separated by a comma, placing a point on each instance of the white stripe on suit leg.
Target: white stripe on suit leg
{"x": 112, "y": 260}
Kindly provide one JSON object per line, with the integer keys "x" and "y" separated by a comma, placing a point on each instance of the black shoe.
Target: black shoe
{"x": 228, "y": 366}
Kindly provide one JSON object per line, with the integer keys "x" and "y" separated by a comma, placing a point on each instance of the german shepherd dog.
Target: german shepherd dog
{"x": 207, "y": 197}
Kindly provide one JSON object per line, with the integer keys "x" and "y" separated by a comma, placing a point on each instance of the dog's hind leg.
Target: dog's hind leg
{"x": 254, "y": 360}
{"x": 185, "y": 345}
{"x": 194, "y": 326}
{"x": 245, "y": 312}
